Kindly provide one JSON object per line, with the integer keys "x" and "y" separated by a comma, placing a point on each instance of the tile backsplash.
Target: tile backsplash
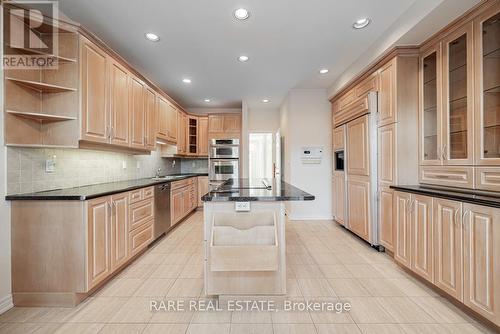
{"x": 78, "y": 167}
{"x": 194, "y": 165}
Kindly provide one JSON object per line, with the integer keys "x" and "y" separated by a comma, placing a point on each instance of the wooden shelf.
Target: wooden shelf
{"x": 40, "y": 86}
{"x": 36, "y": 52}
{"x": 40, "y": 116}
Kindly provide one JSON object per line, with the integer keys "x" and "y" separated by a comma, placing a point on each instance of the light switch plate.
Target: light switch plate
{"x": 50, "y": 166}
{"x": 242, "y": 206}
{"x": 124, "y": 164}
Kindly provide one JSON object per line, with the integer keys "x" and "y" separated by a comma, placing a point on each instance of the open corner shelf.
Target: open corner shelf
{"x": 28, "y": 51}
{"x": 40, "y": 116}
{"x": 40, "y": 86}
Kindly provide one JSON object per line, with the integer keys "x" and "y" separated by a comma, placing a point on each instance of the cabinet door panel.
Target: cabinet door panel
{"x": 487, "y": 84}
{"x": 99, "y": 238}
{"x": 119, "y": 104}
{"x": 151, "y": 119}
{"x": 172, "y": 123}
{"x": 202, "y": 136}
{"x": 402, "y": 233}
{"x": 119, "y": 230}
{"x": 421, "y": 237}
{"x": 447, "y": 219}
{"x": 387, "y": 154}
{"x": 358, "y": 192}
{"x": 137, "y": 113}
{"x": 162, "y": 119}
{"x": 430, "y": 145}
{"x": 458, "y": 92}
{"x": 386, "y": 200}
{"x": 95, "y": 116}
{"x": 215, "y": 123}
{"x": 338, "y": 138}
{"x": 358, "y": 147}
{"x": 482, "y": 260}
{"x": 176, "y": 205}
{"x": 232, "y": 123}
{"x": 387, "y": 98}
{"x": 339, "y": 197}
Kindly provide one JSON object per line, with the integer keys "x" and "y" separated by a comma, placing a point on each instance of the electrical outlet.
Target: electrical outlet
{"x": 124, "y": 164}
{"x": 173, "y": 163}
{"x": 138, "y": 165}
{"x": 50, "y": 165}
{"x": 242, "y": 206}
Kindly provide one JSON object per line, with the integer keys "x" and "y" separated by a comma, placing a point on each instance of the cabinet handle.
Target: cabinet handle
{"x": 444, "y": 153}
{"x": 412, "y": 208}
{"x": 109, "y": 208}
{"x": 464, "y": 216}
{"x": 457, "y": 211}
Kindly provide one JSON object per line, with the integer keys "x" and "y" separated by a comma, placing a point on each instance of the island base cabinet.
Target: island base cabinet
{"x": 482, "y": 260}
{"x": 448, "y": 246}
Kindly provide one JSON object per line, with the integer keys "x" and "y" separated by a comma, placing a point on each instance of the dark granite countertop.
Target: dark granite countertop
{"x": 467, "y": 196}
{"x": 245, "y": 190}
{"x": 97, "y": 190}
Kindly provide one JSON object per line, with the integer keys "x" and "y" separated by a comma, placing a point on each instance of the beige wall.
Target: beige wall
{"x": 263, "y": 120}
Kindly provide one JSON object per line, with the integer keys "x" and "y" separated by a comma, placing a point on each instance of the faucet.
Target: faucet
{"x": 158, "y": 171}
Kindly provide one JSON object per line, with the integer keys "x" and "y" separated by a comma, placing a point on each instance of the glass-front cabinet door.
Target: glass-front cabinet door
{"x": 487, "y": 114}
{"x": 430, "y": 106}
{"x": 458, "y": 91}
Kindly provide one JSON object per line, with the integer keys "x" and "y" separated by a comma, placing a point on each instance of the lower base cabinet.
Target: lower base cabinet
{"x": 385, "y": 218}
{"x": 454, "y": 245}
{"x": 339, "y": 197}
{"x": 183, "y": 198}
{"x": 358, "y": 203}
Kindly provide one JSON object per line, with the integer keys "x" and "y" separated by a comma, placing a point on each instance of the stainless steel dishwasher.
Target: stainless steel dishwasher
{"x": 162, "y": 209}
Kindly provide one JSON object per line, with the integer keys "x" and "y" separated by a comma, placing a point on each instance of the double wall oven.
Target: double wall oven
{"x": 224, "y": 159}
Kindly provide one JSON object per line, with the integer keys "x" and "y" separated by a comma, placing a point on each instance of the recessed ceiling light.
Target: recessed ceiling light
{"x": 152, "y": 37}
{"x": 361, "y": 23}
{"x": 241, "y": 14}
{"x": 186, "y": 80}
{"x": 266, "y": 101}
{"x": 206, "y": 100}
{"x": 243, "y": 59}
{"x": 324, "y": 71}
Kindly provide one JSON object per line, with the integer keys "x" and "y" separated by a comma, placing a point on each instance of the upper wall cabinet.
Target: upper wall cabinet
{"x": 458, "y": 91}
{"x": 446, "y": 100}
{"x": 224, "y": 126}
{"x": 137, "y": 113}
{"x": 119, "y": 104}
{"x": 487, "y": 87}
{"x": 167, "y": 121}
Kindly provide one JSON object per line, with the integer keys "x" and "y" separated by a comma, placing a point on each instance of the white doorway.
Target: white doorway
{"x": 260, "y": 155}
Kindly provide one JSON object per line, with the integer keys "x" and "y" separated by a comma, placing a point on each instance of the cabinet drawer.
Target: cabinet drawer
{"x": 346, "y": 99}
{"x": 368, "y": 85}
{"x": 488, "y": 178}
{"x": 148, "y": 192}
{"x": 135, "y": 196}
{"x": 140, "y": 238}
{"x": 140, "y": 213}
{"x": 462, "y": 177}
{"x": 182, "y": 183}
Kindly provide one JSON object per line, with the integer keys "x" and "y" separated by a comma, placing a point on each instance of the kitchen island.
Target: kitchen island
{"x": 244, "y": 235}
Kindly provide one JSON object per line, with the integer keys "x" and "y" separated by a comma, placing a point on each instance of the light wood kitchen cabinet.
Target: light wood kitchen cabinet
{"x": 385, "y": 218}
{"x": 421, "y": 237}
{"x": 163, "y": 119}
{"x": 359, "y": 207}
{"x": 487, "y": 87}
{"x": 182, "y": 125}
{"x": 338, "y": 138}
{"x": 119, "y": 103}
{"x": 151, "y": 119}
{"x": 94, "y": 93}
{"x": 119, "y": 230}
{"x": 137, "y": 113}
{"x": 232, "y": 123}
{"x": 448, "y": 270}
{"x": 215, "y": 123}
{"x": 192, "y": 135}
{"x": 339, "y": 197}
{"x": 202, "y": 188}
{"x": 172, "y": 114}
{"x": 387, "y": 154}
{"x": 402, "y": 228}
{"x": 203, "y": 136}
{"x": 183, "y": 198}
{"x": 482, "y": 260}
{"x": 387, "y": 105}
{"x": 358, "y": 147}
{"x": 140, "y": 238}
{"x": 458, "y": 90}
{"x": 177, "y": 205}
{"x": 99, "y": 240}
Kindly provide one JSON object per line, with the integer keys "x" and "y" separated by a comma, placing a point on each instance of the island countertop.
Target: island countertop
{"x": 246, "y": 190}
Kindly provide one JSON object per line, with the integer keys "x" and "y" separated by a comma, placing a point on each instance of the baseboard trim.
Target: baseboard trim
{"x": 294, "y": 217}
{"x": 6, "y": 303}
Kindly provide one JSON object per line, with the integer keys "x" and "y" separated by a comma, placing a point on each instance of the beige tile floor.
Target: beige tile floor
{"x": 325, "y": 262}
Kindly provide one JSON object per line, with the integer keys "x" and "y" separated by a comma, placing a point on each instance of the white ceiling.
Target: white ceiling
{"x": 288, "y": 41}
